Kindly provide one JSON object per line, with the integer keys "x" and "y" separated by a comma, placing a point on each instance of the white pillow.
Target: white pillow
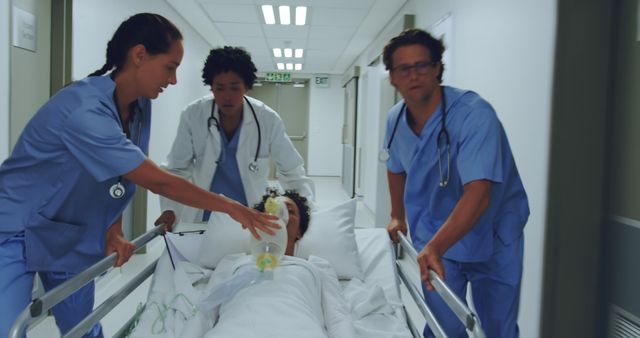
{"x": 331, "y": 236}
{"x": 223, "y": 236}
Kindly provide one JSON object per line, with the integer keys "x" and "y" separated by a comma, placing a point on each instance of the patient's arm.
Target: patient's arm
{"x": 336, "y": 310}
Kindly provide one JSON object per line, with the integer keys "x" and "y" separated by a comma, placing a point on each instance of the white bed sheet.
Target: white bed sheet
{"x": 375, "y": 302}
{"x": 378, "y": 265}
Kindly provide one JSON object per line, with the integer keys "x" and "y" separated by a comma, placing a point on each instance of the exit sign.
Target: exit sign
{"x": 278, "y": 77}
{"x": 322, "y": 81}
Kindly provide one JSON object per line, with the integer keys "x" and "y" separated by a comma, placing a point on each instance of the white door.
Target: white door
{"x": 4, "y": 80}
{"x": 292, "y": 104}
{"x": 349, "y": 136}
{"x": 388, "y": 98}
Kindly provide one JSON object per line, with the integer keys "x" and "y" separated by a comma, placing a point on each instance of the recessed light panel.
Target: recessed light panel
{"x": 301, "y": 15}
{"x": 285, "y": 15}
{"x": 269, "y": 15}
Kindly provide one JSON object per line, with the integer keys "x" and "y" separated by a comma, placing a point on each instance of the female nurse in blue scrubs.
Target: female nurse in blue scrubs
{"x": 75, "y": 167}
{"x": 453, "y": 178}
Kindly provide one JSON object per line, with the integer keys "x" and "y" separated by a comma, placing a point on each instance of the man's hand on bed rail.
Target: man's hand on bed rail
{"x": 252, "y": 219}
{"x": 168, "y": 218}
{"x": 430, "y": 258}
{"x": 116, "y": 243}
{"x": 394, "y": 226}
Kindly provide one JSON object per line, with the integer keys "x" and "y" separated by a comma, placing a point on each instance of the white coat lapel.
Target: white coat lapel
{"x": 206, "y": 165}
{"x": 248, "y": 136}
{"x": 247, "y": 145}
{"x": 213, "y": 148}
{"x": 248, "y": 141}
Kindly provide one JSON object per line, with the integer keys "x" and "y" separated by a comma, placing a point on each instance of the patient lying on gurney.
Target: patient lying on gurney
{"x": 301, "y": 298}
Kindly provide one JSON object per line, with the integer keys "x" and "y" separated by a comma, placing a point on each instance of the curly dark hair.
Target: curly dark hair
{"x": 300, "y": 201}
{"x": 414, "y": 36}
{"x": 229, "y": 59}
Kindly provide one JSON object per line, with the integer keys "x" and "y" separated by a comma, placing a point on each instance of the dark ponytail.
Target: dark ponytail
{"x": 107, "y": 67}
{"x": 153, "y": 31}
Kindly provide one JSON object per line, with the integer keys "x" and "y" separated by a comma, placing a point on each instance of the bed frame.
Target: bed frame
{"x": 464, "y": 314}
{"x": 40, "y": 307}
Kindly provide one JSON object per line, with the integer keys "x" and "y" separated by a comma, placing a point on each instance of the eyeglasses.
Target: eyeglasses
{"x": 420, "y": 66}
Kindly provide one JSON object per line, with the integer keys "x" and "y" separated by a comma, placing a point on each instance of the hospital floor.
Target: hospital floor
{"x": 329, "y": 192}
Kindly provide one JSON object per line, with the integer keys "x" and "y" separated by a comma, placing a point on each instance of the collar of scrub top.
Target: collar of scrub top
{"x": 117, "y": 190}
{"x": 253, "y": 166}
{"x": 443, "y": 133}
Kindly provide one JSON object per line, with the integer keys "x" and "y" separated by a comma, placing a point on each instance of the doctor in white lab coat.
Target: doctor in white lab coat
{"x": 224, "y": 145}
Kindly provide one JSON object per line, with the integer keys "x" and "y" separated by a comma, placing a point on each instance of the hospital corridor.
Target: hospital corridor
{"x": 500, "y": 136}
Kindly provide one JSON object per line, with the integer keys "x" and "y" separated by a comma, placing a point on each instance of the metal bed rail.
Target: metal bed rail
{"x": 464, "y": 314}
{"x": 42, "y": 305}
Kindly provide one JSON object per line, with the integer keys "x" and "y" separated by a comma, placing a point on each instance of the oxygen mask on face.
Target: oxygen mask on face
{"x": 268, "y": 251}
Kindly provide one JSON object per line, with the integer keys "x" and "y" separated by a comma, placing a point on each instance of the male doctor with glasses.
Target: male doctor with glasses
{"x": 453, "y": 179}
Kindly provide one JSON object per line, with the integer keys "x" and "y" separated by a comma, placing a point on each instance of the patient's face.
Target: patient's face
{"x": 293, "y": 226}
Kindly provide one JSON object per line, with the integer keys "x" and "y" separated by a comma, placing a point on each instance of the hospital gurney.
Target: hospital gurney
{"x": 377, "y": 259}
{"x": 464, "y": 314}
{"x": 372, "y": 315}
{"x": 40, "y": 306}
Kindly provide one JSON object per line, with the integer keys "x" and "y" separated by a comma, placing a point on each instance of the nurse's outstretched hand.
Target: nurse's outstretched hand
{"x": 168, "y": 218}
{"x": 430, "y": 258}
{"x": 252, "y": 219}
{"x": 394, "y": 226}
{"x": 116, "y": 243}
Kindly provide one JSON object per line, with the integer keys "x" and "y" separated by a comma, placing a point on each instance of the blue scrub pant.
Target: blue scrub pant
{"x": 16, "y": 285}
{"x": 495, "y": 289}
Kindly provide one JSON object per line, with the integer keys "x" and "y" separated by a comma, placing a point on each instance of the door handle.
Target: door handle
{"x": 344, "y": 131}
{"x": 298, "y": 137}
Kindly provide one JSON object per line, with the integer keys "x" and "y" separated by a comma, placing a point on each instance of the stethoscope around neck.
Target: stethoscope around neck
{"x": 444, "y": 180}
{"x": 253, "y": 166}
{"x": 117, "y": 190}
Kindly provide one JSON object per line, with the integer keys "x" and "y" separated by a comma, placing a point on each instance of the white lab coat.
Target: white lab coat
{"x": 197, "y": 147}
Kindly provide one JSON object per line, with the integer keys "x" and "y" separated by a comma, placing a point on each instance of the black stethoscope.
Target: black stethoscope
{"x": 117, "y": 190}
{"x": 253, "y": 166}
{"x": 384, "y": 153}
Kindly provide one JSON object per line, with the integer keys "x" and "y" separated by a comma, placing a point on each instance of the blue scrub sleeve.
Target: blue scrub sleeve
{"x": 95, "y": 138}
{"x": 480, "y": 150}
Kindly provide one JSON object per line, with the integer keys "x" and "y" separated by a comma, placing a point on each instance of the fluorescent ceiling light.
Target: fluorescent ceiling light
{"x": 288, "y": 52}
{"x": 298, "y": 85}
{"x": 298, "y": 52}
{"x": 280, "y": 66}
{"x": 269, "y": 16}
{"x": 277, "y": 52}
{"x": 289, "y": 66}
{"x": 298, "y": 66}
{"x": 301, "y": 15}
{"x": 285, "y": 15}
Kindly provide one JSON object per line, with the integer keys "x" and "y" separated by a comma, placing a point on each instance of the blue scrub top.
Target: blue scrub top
{"x": 226, "y": 180}
{"x": 55, "y": 185}
{"x": 479, "y": 151}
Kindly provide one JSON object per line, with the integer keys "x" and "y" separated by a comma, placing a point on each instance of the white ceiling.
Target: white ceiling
{"x": 337, "y": 31}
